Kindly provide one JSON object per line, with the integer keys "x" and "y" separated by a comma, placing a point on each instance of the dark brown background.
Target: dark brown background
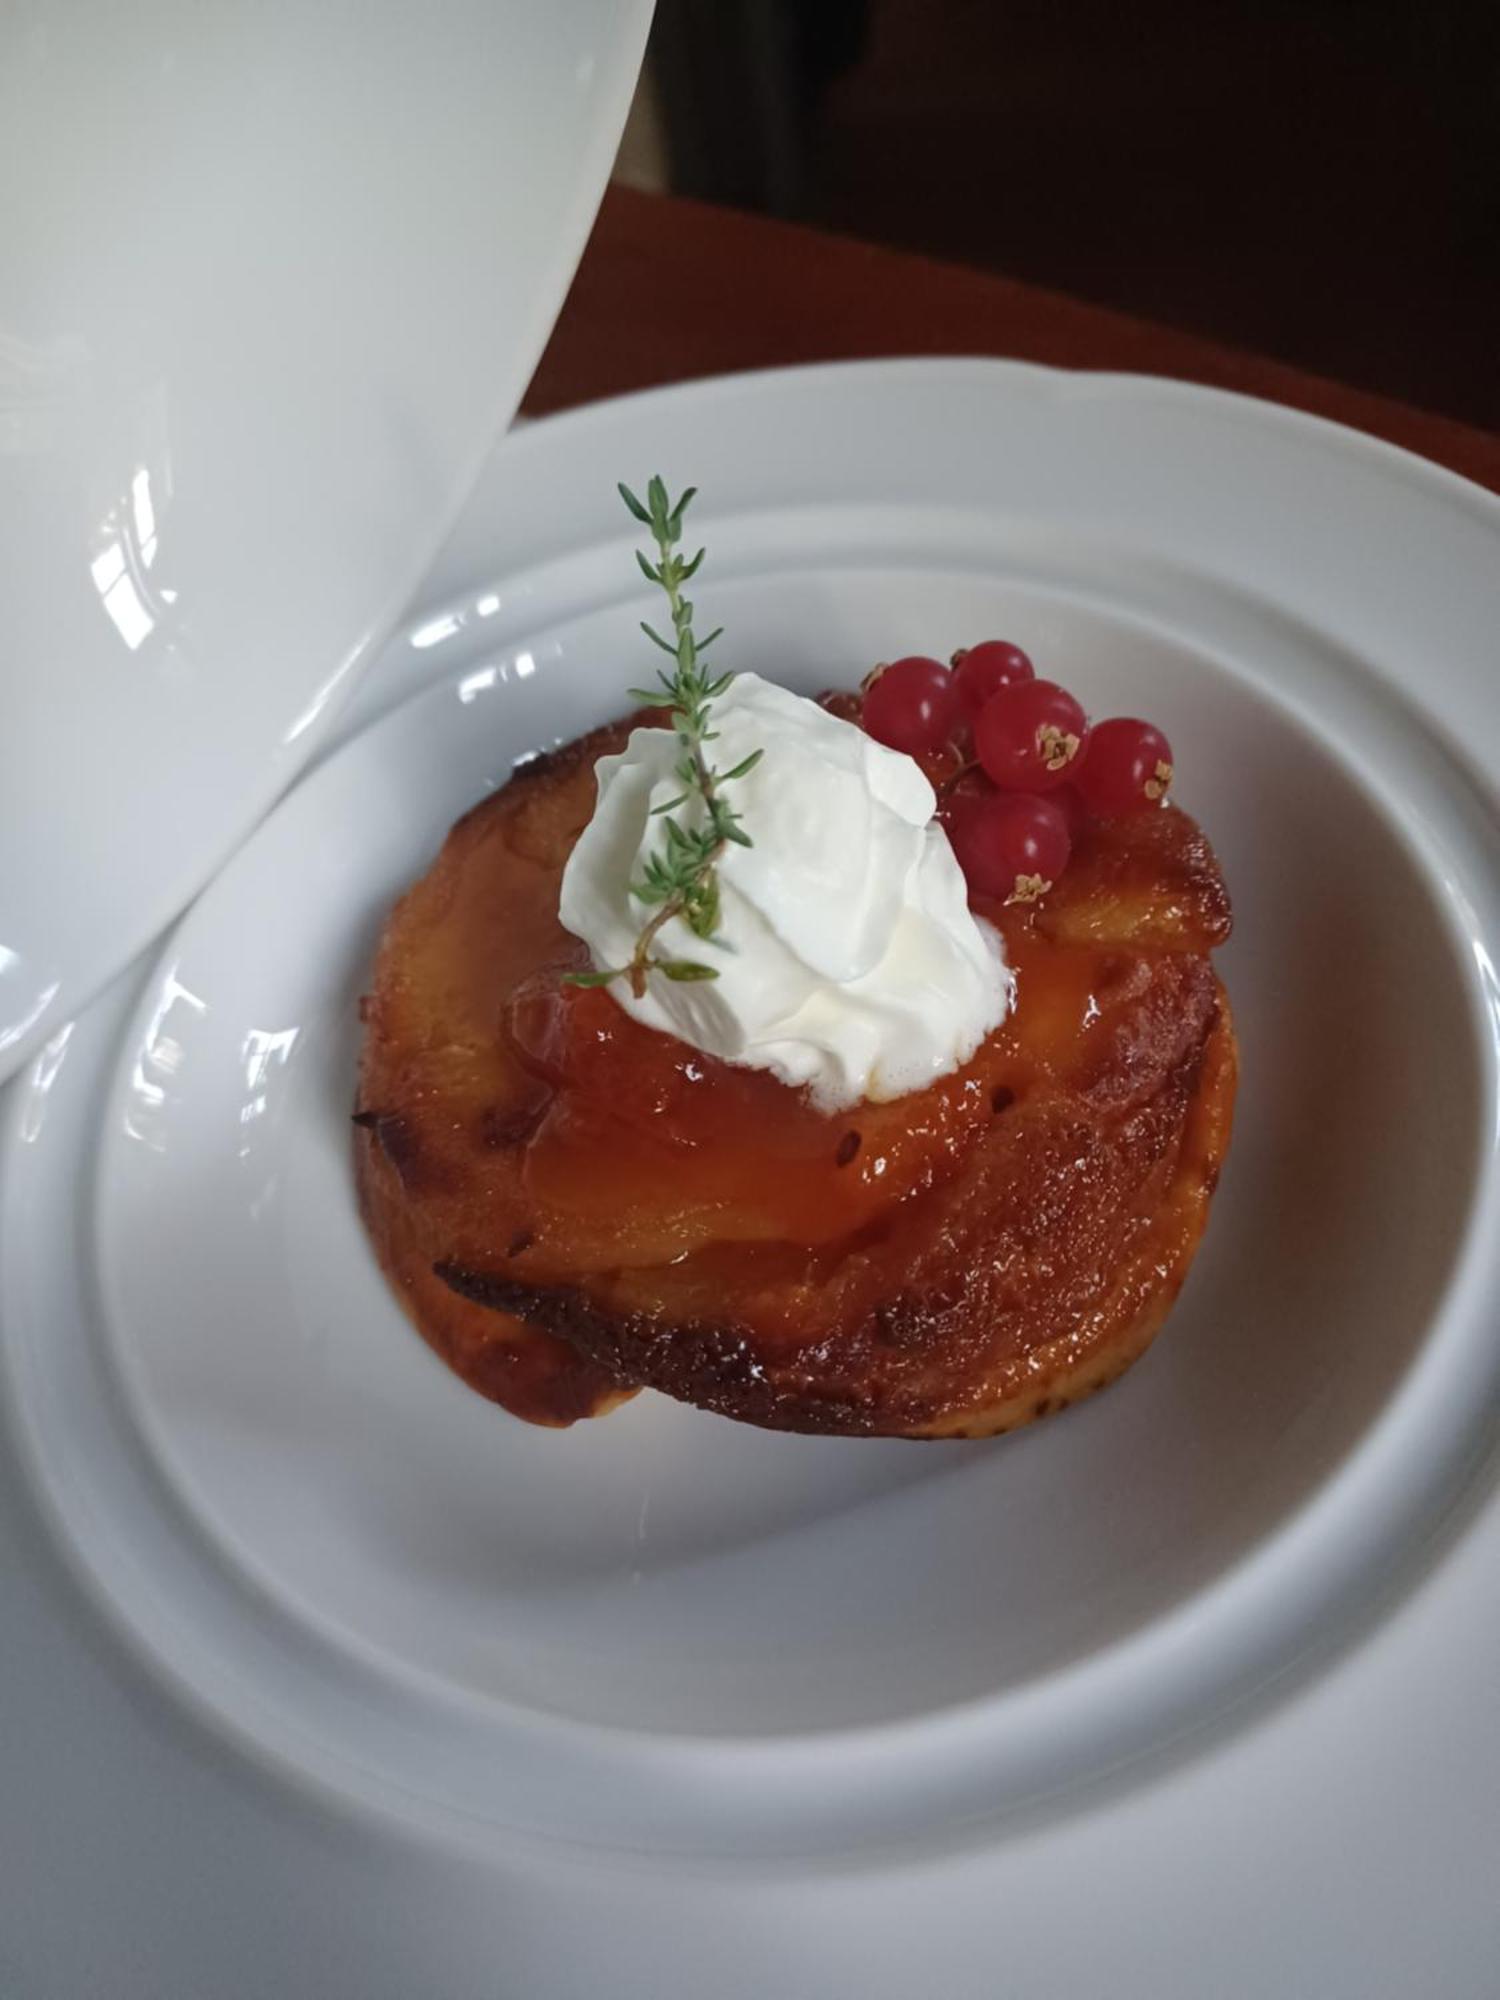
{"x": 1319, "y": 181}
{"x": 670, "y": 289}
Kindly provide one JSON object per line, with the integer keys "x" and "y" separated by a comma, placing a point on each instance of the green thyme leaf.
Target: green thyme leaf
{"x": 634, "y": 505}
{"x": 680, "y": 509}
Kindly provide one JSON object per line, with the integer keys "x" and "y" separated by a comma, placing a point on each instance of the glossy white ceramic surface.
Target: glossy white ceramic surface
{"x": 271, "y": 279}
{"x": 1062, "y": 1714}
{"x": 664, "y": 1575}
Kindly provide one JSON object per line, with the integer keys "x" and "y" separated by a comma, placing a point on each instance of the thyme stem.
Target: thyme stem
{"x": 680, "y": 878}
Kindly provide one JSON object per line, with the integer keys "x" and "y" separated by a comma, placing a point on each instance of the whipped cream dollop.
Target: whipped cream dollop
{"x": 848, "y": 959}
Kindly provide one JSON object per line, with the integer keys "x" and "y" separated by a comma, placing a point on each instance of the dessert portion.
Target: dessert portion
{"x": 884, "y": 1096}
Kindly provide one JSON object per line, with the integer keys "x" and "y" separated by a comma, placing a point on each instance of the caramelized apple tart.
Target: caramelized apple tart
{"x": 572, "y": 1205}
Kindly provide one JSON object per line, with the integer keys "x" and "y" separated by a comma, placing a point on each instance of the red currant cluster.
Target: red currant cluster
{"x": 1027, "y": 767}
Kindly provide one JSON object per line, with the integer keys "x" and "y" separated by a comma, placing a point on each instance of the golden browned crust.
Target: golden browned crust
{"x": 523, "y": 1368}
{"x": 1031, "y": 1274}
{"x": 1037, "y": 1275}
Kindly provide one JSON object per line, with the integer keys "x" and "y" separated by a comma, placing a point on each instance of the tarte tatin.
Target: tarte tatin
{"x": 572, "y": 1206}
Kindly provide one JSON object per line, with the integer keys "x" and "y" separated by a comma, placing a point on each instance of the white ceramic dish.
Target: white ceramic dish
{"x": 1160, "y": 1651}
{"x": 271, "y": 280}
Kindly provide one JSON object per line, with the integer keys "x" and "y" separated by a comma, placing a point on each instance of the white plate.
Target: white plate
{"x": 271, "y": 280}
{"x": 1158, "y": 1651}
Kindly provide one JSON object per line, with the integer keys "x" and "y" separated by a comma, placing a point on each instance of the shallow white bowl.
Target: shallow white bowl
{"x": 665, "y": 1632}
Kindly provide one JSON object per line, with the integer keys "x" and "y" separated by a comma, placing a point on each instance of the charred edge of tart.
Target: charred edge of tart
{"x": 534, "y": 1378}
{"x": 501, "y": 1130}
{"x": 567, "y": 757}
{"x": 396, "y": 1138}
{"x": 717, "y": 1365}
{"x": 714, "y": 1366}
{"x": 547, "y": 766}
{"x": 555, "y": 1387}
{"x": 542, "y": 766}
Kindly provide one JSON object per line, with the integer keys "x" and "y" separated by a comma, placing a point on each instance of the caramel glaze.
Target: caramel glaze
{"x": 570, "y": 1204}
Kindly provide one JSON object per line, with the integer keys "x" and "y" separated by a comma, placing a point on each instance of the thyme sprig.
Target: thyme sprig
{"x": 680, "y": 878}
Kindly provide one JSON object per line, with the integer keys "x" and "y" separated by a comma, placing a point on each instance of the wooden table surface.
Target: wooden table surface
{"x": 671, "y": 289}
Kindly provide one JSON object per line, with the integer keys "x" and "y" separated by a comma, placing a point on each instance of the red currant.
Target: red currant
{"x": 954, "y": 800}
{"x": 1011, "y": 846}
{"x": 1129, "y": 764}
{"x": 1029, "y": 736}
{"x": 983, "y": 669}
{"x": 842, "y": 702}
{"x": 941, "y": 767}
{"x": 912, "y": 705}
